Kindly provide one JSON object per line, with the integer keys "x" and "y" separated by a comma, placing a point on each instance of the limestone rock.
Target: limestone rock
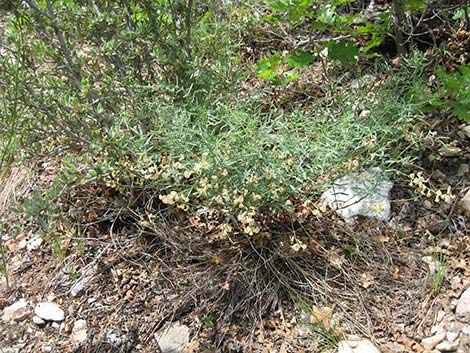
{"x": 173, "y": 338}
{"x": 79, "y": 332}
{"x": 34, "y": 243}
{"x": 18, "y": 311}
{"x": 447, "y": 346}
{"x": 462, "y": 309}
{"x": 38, "y": 321}
{"x": 357, "y": 346}
{"x": 49, "y": 312}
{"x": 430, "y": 342}
{"x": 365, "y": 194}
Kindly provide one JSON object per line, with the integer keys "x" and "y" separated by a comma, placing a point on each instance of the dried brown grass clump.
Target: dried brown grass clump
{"x": 14, "y": 186}
{"x": 366, "y": 273}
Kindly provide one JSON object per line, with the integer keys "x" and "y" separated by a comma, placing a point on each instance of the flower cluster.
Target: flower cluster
{"x": 173, "y": 198}
{"x": 420, "y": 184}
{"x": 247, "y": 219}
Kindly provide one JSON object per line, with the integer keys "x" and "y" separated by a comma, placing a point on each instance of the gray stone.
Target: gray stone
{"x": 49, "y": 312}
{"x": 38, "y": 321}
{"x": 18, "y": 311}
{"x": 79, "y": 332}
{"x": 173, "y": 338}
{"x": 438, "y": 175}
{"x": 447, "y": 346}
{"x": 449, "y": 151}
{"x": 79, "y": 286}
{"x": 465, "y": 201}
{"x": 430, "y": 343}
{"x": 365, "y": 194}
{"x": 463, "y": 169}
{"x": 462, "y": 309}
{"x": 357, "y": 346}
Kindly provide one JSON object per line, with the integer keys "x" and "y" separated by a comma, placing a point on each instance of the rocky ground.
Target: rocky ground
{"x": 107, "y": 291}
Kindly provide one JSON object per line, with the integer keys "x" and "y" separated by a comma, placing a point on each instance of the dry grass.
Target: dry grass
{"x": 14, "y": 186}
{"x": 367, "y": 273}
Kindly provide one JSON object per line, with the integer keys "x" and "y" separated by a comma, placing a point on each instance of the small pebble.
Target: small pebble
{"x": 437, "y": 174}
{"x": 440, "y": 315}
{"x": 79, "y": 332}
{"x": 38, "y": 321}
{"x": 463, "y": 169}
{"x": 453, "y": 304}
{"x": 46, "y": 348}
{"x": 364, "y": 114}
{"x": 449, "y": 151}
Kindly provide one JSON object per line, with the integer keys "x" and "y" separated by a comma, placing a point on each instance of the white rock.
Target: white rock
{"x": 437, "y": 329}
{"x": 49, "y": 312}
{"x": 34, "y": 243}
{"x": 18, "y": 311}
{"x": 430, "y": 342}
{"x": 365, "y": 194}
{"x": 46, "y": 348}
{"x": 357, "y": 346}
{"x": 38, "y": 321}
{"x": 172, "y": 338}
{"x": 447, "y": 346}
{"x": 462, "y": 309}
{"x": 452, "y": 336}
{"x": 79, "y": 332}
{"x": 22, "y": 244}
